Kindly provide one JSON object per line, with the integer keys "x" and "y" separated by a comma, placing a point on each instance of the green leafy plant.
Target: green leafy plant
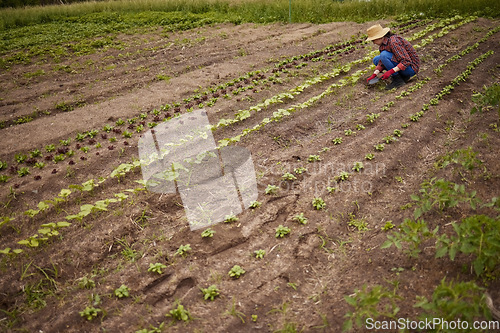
{"x": 259, "y": 254}
{"x": 179, "y": 313}
{"x": 442, "y": 194}
{"x": 208, "y": 233}
{"x": 282, "y": 231}
{"x": 300, "y": 170}
{"x": 156, "y": 268}
{"x": 271, "y": 189}
{"x": 357, "y": 166}
{"x": 300, "y": 218}
{"x": 412, "y": 233}
{"x": 369, "y": 156}
{"x": 210, "y": 292}
{"x": 230, "y": 218}
{"x": 452, "y": 301}
{"x": 236, "y": 271}
{"x": 90, "y": 312}
{"x": 255, "y": 204}
{"x": 337, "y": 141}
{"x": 122, "y": 291}
{"x": 288, "y": 176}
{"x": 314, "y": 158}
{"x": 344, "y": 175}
{"x": 183, "y": 250}
{"x": 379, "y": 147}
{"x": 318, "y": 203}
{"x": 372, "y": 303}
{"x": 476, "y": 235}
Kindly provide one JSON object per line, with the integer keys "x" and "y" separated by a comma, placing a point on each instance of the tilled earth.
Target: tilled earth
{"x": 304, "y": 276}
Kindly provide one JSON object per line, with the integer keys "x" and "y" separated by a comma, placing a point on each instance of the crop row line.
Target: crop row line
{"x": 124, "y": 168}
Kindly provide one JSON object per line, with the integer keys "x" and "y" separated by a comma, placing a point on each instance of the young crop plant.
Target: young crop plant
{"x": 370, "y": 118}
{"x": 318, "y": 203}
{"x": 288, "y": 176}
{"x": 389, "y": 139}
{"x": 156, "y": 268}
{"x": 236, "y": 272}
{"x": 210, "y": 293}
{"x": 313, "y": 158}
{"x": 358, "y": 223}
{"x": 300, "y": 170}
{"x": 360, "y": 127}
{"x": 90, "y": 312}
{"x": 86, "y": 283}
{"x": 349, "y": 132}
{"x": 183, "y": 250}
{"x": 300, "y": 218}
{"x": 344, "y": 175}
{"x": 255, "y": 204}
{"x": 282, "y": 231}
{"x": 369, "y": 156}
{"x": 180, "y": 313}
{"x": 122, "y": 292}
{"x": 271, "y": 189}
{"x": 208, "y": 233}
{"x": 23, "y": 171}
{"x": 337, "y": 141}
{"x": 379, "y": 146}
{"x": 230, "y": 218}
{"x": 397, "y": 133}
{"x": 358, "y": 166}
{"x": 259, "y": 254}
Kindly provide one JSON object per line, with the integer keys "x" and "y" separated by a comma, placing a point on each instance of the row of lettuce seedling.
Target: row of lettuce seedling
{"x": 137, "y": 124}
{"x": 123, "y": 169}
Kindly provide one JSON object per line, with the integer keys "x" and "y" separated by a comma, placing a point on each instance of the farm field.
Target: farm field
{"x": 361, "y": 191}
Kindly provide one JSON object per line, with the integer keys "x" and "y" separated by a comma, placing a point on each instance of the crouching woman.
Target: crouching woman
{"x": 397, "y": 57}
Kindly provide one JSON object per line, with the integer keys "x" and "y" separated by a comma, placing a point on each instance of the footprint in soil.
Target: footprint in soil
{"x": 164, "y": 293}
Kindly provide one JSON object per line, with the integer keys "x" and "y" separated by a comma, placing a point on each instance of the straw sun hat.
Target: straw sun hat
{"x": 376, "y": 32}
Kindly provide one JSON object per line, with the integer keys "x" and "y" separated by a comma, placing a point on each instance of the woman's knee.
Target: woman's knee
{"x": 386, "y": 55}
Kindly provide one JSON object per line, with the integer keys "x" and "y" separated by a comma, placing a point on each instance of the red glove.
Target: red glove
{"x": 371, "y": 77}
{"x": 388, "y": 73}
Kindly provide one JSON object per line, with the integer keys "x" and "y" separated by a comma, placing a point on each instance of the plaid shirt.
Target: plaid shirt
{"x": 403, "y": 52}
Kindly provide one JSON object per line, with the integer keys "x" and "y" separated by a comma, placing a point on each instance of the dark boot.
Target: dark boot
{"x": 397, "y": 81}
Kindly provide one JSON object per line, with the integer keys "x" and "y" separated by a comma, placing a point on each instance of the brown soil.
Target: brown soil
{"x": 304, "y": 276}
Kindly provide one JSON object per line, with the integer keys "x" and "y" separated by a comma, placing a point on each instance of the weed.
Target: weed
{"x": 450, "y": 301}
{"x": 359, "y": 224}
{"x": 368, "y": 304}
{"x": 413, "y": 233}
{"x": 477, "y": 235}
{"x": 235, "y": 313}
{"x": 86, "y": 283}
